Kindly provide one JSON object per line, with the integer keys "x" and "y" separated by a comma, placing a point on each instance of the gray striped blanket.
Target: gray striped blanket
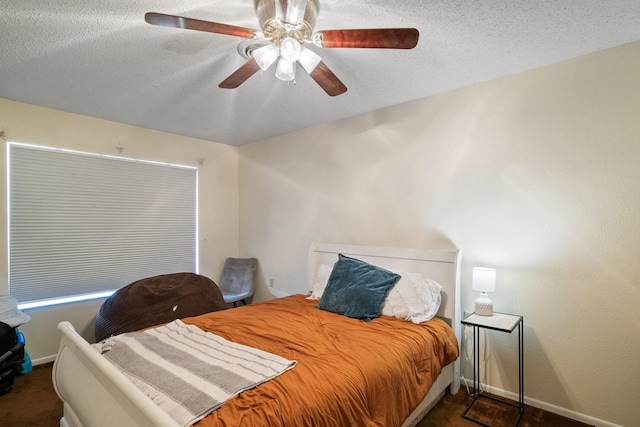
{"x": 187, "y": 372}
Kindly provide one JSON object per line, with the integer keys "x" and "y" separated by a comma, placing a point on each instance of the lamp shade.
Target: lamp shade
{"x": 286, "y": 70}
{"x": 265, "y": 55}
{"x": 290, "y": 49}
{"x": 309, "y": 60}
{"x": 484, "y": 279}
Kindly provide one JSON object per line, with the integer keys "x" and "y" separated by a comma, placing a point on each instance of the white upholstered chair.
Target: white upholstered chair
{"x": 237, "y": 281}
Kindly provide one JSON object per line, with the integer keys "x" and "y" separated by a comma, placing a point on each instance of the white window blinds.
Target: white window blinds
{"x": 82, "y": 223}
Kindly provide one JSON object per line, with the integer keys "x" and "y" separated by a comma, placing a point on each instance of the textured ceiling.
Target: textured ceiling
{"x": 99, "y": 58}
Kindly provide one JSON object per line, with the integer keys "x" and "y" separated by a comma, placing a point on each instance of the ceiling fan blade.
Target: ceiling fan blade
{"x": 290, "y": 11}
{"x": 376, "y": 38}
{"x": 327, "y": 80}
{"x": 196, "y": 24}
{"x": 240, "y": 75}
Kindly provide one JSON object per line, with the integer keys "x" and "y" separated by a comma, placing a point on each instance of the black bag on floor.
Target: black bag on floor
{"x": 11, "y": 356}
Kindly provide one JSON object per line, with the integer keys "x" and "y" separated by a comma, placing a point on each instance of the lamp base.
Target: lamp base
{"x": 484, "y": 306}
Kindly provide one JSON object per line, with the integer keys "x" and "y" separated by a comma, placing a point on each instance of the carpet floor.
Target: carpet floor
{"x": 34, "y": 403}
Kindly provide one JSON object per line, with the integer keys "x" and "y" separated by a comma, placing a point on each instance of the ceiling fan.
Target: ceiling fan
{"x": 286, "y": 26}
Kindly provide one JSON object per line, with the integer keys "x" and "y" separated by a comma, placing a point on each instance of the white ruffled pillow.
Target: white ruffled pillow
{"x": 322, "y": 277}
{"x": 413, "y": 298}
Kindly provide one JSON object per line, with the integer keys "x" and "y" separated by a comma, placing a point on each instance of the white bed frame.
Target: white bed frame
{"x": 96, "y": 394}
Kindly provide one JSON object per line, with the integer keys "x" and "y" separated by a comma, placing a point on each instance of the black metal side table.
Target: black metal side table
{"x": 498, "y": 322}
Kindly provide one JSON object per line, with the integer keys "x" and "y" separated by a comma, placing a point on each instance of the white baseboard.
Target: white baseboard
{"x": 279, "y": 293}
{"x": 545, "y": 406}
{"x": 43, "y": 360}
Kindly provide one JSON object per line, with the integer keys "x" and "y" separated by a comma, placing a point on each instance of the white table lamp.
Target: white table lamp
{"x": 483, "y": 281}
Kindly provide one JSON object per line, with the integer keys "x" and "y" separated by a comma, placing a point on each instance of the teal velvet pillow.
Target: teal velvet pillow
{"x": 356, "y": 289}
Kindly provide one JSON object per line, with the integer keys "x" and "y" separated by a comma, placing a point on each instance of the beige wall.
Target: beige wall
{"x": 536, "y": 174}
{"x": 218, "y": 195}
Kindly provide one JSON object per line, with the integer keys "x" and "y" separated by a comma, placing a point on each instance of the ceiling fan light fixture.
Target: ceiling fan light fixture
{"x": 285, "y": 26}
{"x": 290, "y": 49}
{"x": 265, "y": 56}
{"x": 286, "y": 70}
{"x": 309, "y": 59}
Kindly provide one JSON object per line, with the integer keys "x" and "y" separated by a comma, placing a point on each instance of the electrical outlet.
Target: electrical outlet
{"x": 271, "y": 283}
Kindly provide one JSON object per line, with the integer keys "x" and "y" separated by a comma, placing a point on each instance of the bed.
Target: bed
{"x": 95, "y": 393}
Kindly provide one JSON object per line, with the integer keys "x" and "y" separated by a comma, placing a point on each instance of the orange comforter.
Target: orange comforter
{"x": 349, "y": 372}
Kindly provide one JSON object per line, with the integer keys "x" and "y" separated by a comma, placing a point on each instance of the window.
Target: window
{"x": 83, "y": 225}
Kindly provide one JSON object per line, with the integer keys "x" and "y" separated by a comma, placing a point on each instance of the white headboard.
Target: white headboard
{"x": 440, "y": 265}
{"x": 443, "y": 266}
